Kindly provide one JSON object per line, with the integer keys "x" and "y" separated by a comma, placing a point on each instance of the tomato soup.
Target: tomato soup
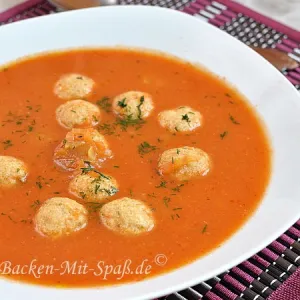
{"x": 190, "y": 217}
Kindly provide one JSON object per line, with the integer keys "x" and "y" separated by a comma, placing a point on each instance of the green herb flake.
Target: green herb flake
{"x": 122, "y": 103}
{"x": 39, "y": 184}
{"x": 185, "y": 118}
{"x": 145, "y": 148}
{"x": 178, "y": 188}
{"x": 142, "y": 100}
{"x": 204, "y": 228}
{"x": 7, "y": 144}
{"x": 166, "y": 201}
{"x": 82, "y": 195}
{"x": 94, "y": 206}
{"x": 104, "y": 104}
{"x": 222, "y": 135}
{"x": 233, "y": 120}
{"x": 129, "y": 122}
{"x": 35, "y": 204}
{"x": 163, "y": 184}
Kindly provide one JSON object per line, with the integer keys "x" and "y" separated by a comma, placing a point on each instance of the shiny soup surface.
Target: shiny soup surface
{"x": 184, "y": 153}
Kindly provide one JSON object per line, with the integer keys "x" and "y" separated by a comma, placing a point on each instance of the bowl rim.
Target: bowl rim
{"x": 61, "y": 293}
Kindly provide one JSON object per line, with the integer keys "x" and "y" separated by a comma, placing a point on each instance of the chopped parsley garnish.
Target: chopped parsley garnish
{"x": 142, "y": 99}
{"x": 228, "y": 95}
{"x": 30, "y": 128}
{"x": 82, "y": 195}
{"x": 107, "y": 129}
{"x": 145, "y": 148}
{"x": 177, "y": 188}
{"x": 129, "y": 121}
{"x": 185, "y": 118}
{"x": 35, "y": 204}
{"x": 104, "y": 104}
{"x": 177, "y": 208}
{"x": 94, "y": 206}
{"x": 204, "y": 228}
{"x": 177, "y": 151}
{"x": 222, "y": 135}
{"x": 117, "y": 167}
{"x": 122, "y": 103}
{"x": 39, "y": 184}
{"x": 97, "y": 187}
{"x": 7, "y": 144}
{"x": 163, "y": 184}
{"x": 233, "y": 120}
{"x": 166, "y": 201}
{"x": 152, "y": 195}
{"x": 87, "y": 169}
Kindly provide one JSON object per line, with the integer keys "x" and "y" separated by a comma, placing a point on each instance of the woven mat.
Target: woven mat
{"x": 274, "y": 272}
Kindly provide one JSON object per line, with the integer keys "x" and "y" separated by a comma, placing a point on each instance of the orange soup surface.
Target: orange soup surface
{"x": 192, "y": 217}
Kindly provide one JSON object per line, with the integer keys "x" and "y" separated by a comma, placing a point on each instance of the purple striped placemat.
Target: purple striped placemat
{"x": 274, "y": 272}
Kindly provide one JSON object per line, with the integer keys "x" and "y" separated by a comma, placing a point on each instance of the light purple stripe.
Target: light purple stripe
{"x": 262, "y": 261}
{"x": 270, "y": 254}
{"x": 211, "y": 296}
{"x": 189, "y": 10}
{"x": 295, "y": 75}
{"x": 223, "y": 18}
{"x": 235, "y": 283}
{"x": 229, "y": 13}
{"x": 278, "y": 247}
{"x": 242, "y": 274}
{"x": 287, "y": 239}
{"x": 197, "y": 6}
{"x": 256, "y": 270}
{"x": 298, "y": 222}
{"x": 292, "y": 80}
{"x": 284, "y": 48}
{"x": 225, "y": 291}
{"x": 216, "y": 22}
{"x": 203, "y": 2}
{"x": 290, "y": 43}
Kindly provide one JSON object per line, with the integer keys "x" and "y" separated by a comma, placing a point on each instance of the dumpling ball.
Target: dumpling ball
{"x": 134, "y": 105}
{"x": 78, "y": 113}
{"x": 60, "y": 216}
{"x": 181, "y": 119}
{"x": 184, "y": 163}
{"x": 73, "y": 86}
{"x": 93, "y": 186}
{"x": 81, "y": 145}
{"x": 127, "y": 216}
{"x": 12, "y": 171}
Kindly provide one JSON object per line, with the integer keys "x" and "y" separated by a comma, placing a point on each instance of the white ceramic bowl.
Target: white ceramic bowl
{"x": 275, "y": 99}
